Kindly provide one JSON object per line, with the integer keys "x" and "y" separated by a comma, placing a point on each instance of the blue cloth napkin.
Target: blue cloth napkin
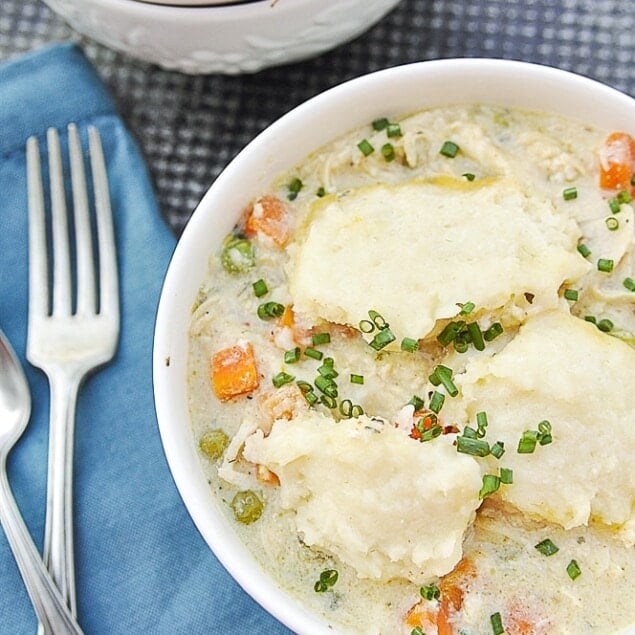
{"x": 141, "y": 565}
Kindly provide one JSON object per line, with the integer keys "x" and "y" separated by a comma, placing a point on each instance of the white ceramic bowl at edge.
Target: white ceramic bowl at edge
{"x": 391, "y": 92}
{"x": 230, "y": 39}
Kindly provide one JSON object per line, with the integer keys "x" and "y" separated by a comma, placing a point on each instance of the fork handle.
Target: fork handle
{"x": 54, "y": 616}
{"x": 58, "y": 533}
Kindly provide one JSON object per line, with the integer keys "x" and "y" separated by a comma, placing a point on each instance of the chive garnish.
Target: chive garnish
{"x": 380, "y": 124}
{"x": 282, "y": 378}
{"x": 292, "y": 356}
{"x": 417, "y": 402}
{"x": 497, "y": 450}
{"x": 328, "y": 401}
{"x": 388, "y": 152}
{"x": 614, "y": 206}
{"x": 527, "y": 443}
{"x": 472, "y": 446}
{"x": 417, "y": 630}
{"x": 612, "y": 223}
{"x": 506, "y": 476}
{"x": 491, "y": 484}
{"x": 320, "y": 192}
{"x": 570, "y": 193}
{"x": 357, "y": 379}
{"x": 546, "y": 547}
{"x": 327, "y": 579}
{"x": 382, "y": 339}
{"x": 497, "y": 623}
{"x": 605, "y": 325}
{"x": 393, "y": 130}
{"x": 624, "y": 197}
{"x": 409, "y": 344}
{"x": 436, "y": 401}
{"x": 313, "y": 353}
{"x": 605, "y": 265}
{"x": 449, "y": 332}
{"x": 469, "y": 176}
{"x": 260, "y": 288}
{"x": 571, "y": 294}
{"x": 584, "y": 251}
{"x": 449, "y": 149}
{"x": 629, "y": 283}
{"x": 326, "y": 385}
{"x": 365, "y": 147}
{"x": 430, "y": 592}
{"x": 477, "y": 337}
{"x": 573, "y": 570}
{"x": 269, "y": 310}
{"x": 320, "y": 338}
{"x": 467, "y": 308}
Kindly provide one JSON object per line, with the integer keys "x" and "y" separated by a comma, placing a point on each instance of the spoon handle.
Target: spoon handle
{"x": 52, "y": 612}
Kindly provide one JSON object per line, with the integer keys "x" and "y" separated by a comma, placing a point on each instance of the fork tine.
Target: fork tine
{"x": 59, "y": 224}
{"x": 83, "y": 239}
{"x": 38, "y": 267}
{"x": 108, "y": 279}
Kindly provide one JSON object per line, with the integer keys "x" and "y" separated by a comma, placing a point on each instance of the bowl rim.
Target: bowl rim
{"x": 503, "y": 81}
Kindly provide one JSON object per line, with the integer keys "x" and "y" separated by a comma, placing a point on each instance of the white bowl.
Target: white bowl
{"x": 226, "y": 38}
{"x": 396, "y": 91}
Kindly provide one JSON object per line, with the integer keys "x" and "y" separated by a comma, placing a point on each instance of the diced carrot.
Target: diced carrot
{"x": 524, "y": 618}
{"x": 617, "y": 162}
{"x": 426, "y": 614}
{"x": 287, "y": 319}
{"x": 268, "y": 216}
{"x": 234, "y": 371}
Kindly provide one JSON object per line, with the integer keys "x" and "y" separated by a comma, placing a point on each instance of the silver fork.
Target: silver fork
{"x": 71, "y": 333}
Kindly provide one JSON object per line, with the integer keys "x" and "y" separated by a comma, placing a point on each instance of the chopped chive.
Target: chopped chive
{"x": 449, "y": 149}
{"x": 328, "y": 401}
{"x": 304, "y": 386}
{"x": 498, "y": 449}
{"x": 570, "y": 193}
{"x": 497, "y": 623}
{"x": 365, "y": 147}
{"x": 377, "y": 319}
{"x": 260, "y": 288}
{"x": 393, "y": 130}
{"x": 470, "y": 433}
{"x": 417, "y": 402}
{"x": 292, "y": 356}
{"x": 481, "y": 423}
{"x": 477, "y": 337}
{"x": 282, "y": 378}
{"x": 269, "y": 310}
{"x": 612, "y": 223}
{"x": 388, "y": 152}
{"x": 382, "y": 339}
{"x": 313, "y": 353}
{"x": 430, "y": 592}
{"x": 493, "y": 332}
{"x": 436, "y": 401}
{"x": 584, "y": 251}
{"x": 357, "y": 379}
{"x": 417, "y": 630}
{"x": 380, "y": 124}
{"x": 294, "y": 188}
{"x": 449, "y": 332}
{"x": 506, "y": 476}
{"x": 327, "y": 371}
{"x": 614, "y": 206}
{"x": 491, "y": 484}
{"x": 320, "y": 192}
{"x": 590, "y": 318}
{"x": 409, "y": 345}
{"x": 605, "y": 325}
{"x": 431, "y": 433}
{"x": 435, "y": 377}
{"x": 366, "y": 326}
{"x": 320, "y": 338}
{"x": 326, "y": 385}
{"x": 527, "y": 443}
{"x": 467, "y": 308}
{"x": 624, "y": 197}
{"x": 469, "y": 176}
{"x": 473, "y": 447}
{"x": 461, "y": 342}
{"x": 571, "y": 294}
{"x": 546, "y": 547}
{"x": 327, "y": 579}
{"x": 605, "y": 265}
{"x": 311, "y": 397}
{"x": 629, "y": 283}
{"x": 573, "y": 570}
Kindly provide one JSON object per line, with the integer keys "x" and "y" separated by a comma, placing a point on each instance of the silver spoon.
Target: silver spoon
{"x": 15, "y": 410}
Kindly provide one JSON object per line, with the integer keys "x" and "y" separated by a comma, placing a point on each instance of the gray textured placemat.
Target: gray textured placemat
{"x": 189, "y": 127}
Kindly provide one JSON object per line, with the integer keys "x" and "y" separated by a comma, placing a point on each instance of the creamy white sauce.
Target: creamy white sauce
{"x": 334, "y": 270}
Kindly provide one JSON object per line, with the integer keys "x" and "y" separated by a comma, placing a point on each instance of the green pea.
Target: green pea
{"x": 213, "y": 443}
{"x": 237, "y": 255}
{"x": 247, "y": 507}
